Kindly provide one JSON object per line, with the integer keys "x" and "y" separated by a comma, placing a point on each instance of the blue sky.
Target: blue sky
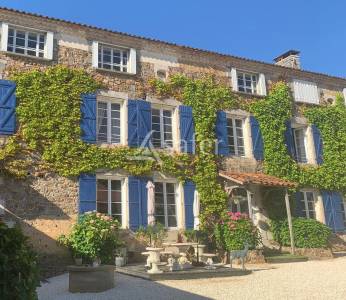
{"x": 257, "y": 29}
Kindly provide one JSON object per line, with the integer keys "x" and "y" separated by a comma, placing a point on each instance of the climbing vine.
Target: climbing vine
{"x": 48, "y": 137}
{"x": 274, "y": 111}
{"x": 206, "y": 97}
{"x": 48, "y": 112}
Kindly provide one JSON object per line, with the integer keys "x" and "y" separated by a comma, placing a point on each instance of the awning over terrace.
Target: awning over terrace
{"x": 257, "y": 178}
{"x": 246, "y": 179}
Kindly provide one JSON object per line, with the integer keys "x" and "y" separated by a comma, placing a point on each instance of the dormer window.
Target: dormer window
{"x": 113, "y": 58}
{"x": 29, "y": 42}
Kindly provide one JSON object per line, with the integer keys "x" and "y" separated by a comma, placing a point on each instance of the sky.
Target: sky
{"x": 255, "y": 29}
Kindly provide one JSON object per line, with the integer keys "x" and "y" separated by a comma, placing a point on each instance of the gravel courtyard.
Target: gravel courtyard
{"x": 304, "y": 280}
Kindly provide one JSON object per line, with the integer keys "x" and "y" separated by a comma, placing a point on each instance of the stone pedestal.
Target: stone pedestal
{"x": 85, "y": 279}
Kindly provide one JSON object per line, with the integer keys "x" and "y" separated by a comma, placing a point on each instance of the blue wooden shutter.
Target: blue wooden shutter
{"x": 132, "y": 123}
{"x": 299, "y": 206}
{"x": 257, "y": 140}
{"x": 139, "y": 122}
{"x": 88, "y": 118}
{"x": 318, "y": 144}
{"x": 144, "y": 122}
{"x": 189, "y": 191}
{"x": 87, "y": 193}
{"x": 138, "y": 202}
{"x": 289, "y": 141}
{"x": 221, "y": 133}
{"x": 332, "y": 202}
{"x": 7, "y": 107}
{"x": 187, "y": 129}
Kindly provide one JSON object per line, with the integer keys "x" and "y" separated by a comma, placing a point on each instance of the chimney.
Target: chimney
{"x": 289, "y": 59}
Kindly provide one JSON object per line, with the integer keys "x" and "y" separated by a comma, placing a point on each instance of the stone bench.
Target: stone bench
{"x": 87, "y": 279}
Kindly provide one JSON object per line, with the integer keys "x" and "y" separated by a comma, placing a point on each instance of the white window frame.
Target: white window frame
{"x": 48, "y": 41}
{"x": 304, "y": 129}
{"x": 306, "y": 206}
{"x": 176, "y": 196}
{"x": 124, "y": 204}
{"x": 235, "y": 136}
{"x": 131, "y": 59}
{"x": 305, "y": 91}
{"x": 161, "y": 108}
{"x": 123, "y": 120}
{"x": 259, "y": 89}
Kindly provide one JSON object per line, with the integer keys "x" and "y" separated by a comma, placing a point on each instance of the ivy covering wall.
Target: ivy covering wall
{"x": 273, "y": 113}
{"x": 49, "y": 133}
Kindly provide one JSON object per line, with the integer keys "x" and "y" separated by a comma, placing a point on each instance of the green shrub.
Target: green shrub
{"x": 152, "y": 235}
{"x": 195, "y": 236}
{"x": 307, "y": 233}
{"x": 234, "y": 231}
{"x": 19, "y": 274}
{"x": 94, "y": 236}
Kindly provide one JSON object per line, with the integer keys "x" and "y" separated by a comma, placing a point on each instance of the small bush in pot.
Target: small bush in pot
{"x": 234, "y": 230}
{"x": 152, "y": 235}
{"x": 94, "y": 236}
{"x": 307, "y": 233}
{"x": 19, "y": 274}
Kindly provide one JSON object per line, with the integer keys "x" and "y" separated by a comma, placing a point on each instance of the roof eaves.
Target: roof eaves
{"x": 164, "y": 42}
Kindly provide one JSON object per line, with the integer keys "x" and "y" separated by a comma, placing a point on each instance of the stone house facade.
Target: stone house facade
{"x": 47, "y": 205}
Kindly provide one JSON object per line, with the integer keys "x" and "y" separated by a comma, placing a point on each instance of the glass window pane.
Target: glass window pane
{"x": 102, "y": 184}
{"x": 102, "y": 208}
{"x": 102, "y": 196}
{"x": 116, "y": 208}
{"x": 172, "y": 221}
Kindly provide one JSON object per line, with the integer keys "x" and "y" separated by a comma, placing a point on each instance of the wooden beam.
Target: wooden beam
{"x": 289, "y": 218}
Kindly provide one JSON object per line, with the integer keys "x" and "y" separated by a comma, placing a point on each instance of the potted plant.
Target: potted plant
{"x": 94, "y": 238}
{"x": 152, "y": 235}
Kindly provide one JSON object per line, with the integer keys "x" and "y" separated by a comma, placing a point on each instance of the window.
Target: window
{"x": 235, "y": 136}
{"x": 308, "y": 203}
{"x": 305, "y": 91}
{"x": 25, "y": 42}
{"x": 238, "y": 201}
{"x": 165, "y": 204}
{"x": 299, "y": 144}
{"x": 114, "y": 59}
{"x": 109, "y": 198}
{"x": 108, "y": 122}
{"x": 343, "y": 209}
{"x": 161, "y": 125}
{"x": 247, "y": 82}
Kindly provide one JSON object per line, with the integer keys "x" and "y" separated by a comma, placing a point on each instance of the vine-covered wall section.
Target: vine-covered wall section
{"x": 273, "y": 113}
{"x": 49, "y": 134}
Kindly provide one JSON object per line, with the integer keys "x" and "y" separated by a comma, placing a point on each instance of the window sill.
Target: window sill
{"x": 249, "y": 95}
{"x": 106, "y": 145}
{"x": 43, "y": 59}
{"x": 101, "y": 70}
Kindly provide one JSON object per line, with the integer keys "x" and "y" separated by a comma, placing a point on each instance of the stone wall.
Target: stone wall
{"x": 45, "y": 208}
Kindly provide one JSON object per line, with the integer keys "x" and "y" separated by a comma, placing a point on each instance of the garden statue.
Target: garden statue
{"x": 239, "y": 254}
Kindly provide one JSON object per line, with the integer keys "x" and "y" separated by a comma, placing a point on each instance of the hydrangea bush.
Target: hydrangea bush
{"x": 234, "y": 231}
{"x": 94, "y": 236}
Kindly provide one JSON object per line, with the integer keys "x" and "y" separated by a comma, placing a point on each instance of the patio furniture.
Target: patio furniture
{"x": 154, "y": 259}
{"x": 209, "y": 263}
{"x": 87, "y": 279}
{"x": 147, "y": 261}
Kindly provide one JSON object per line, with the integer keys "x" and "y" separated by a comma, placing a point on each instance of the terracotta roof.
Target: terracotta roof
{"x": 162, "y": 42}
{"x": 257, "y": 178}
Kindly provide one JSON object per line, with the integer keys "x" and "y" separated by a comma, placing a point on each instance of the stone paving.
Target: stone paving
{"x": 304, "y": 280}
